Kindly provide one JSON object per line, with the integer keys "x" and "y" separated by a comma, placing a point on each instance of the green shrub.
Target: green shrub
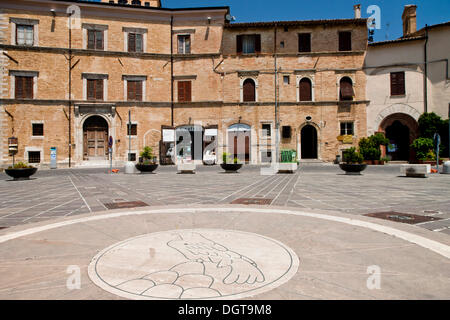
{"x": 350, "y": 156}
{"x": 226, "y": 158}
{"x": 147, "y": 153}
{"x": 429, "y": 124}
{"x": 370, "y": 147}
{"x": 424, "y": 149}
{"x": 20, "y": 165}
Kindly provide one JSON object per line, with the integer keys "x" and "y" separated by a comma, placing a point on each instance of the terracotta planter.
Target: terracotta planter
{"x": 353, "y": 169}
{"x": 146, "y": 168}
{"x": 24, "y": 173}
{"x": 432, "y": 162}
{"x": 231, "y": 167}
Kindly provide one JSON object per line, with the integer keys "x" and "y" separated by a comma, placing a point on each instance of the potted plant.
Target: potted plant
{"x": 424, "y": 148}
{"x": 370, "y": 148}
{"x": 230, "y": 166}
{"x": 147, "y": 161}
{"x": 21, "y": 170}
{"x": 353, "y": 162}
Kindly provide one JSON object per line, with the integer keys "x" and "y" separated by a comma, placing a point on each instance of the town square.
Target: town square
{"x": 161, "y": 151}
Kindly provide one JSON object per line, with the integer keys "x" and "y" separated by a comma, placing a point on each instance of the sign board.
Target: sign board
{"x": 168, "y": 135}
{"x": 53, "y": 158}
{"x": 211, "y": 132}
{"x": 13, "y": 145}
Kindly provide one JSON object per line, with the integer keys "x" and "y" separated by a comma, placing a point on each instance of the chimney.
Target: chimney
{"x": 357, "y": 9}
{"x": 409, "y": 20}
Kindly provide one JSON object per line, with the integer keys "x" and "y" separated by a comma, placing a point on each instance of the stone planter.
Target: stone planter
{"x": 231, "y": 167}
{"x": 146, "y": 168}
{"x": 23, "y": 173}
{"x": 287, "y": 167}
{"x": 186, "y": 168}
{"x": 416, "y": 170}
{"x": 353, "y": 169}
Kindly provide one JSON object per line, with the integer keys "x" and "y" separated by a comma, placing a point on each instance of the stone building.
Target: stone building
{"x": 405, "y": 78}
{"x": 194, "y": 83}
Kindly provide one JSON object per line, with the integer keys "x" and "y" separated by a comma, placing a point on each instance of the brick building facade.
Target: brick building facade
{"x": 179, "y": 72}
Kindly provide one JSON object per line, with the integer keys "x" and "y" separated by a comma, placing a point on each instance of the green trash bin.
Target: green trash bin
{"x": 288, "y": 156}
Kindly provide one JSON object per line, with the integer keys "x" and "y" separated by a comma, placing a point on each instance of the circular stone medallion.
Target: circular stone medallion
{"x": 193, "y": 264}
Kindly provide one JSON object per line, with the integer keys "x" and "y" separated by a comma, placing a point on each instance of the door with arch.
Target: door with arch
{"x": 95, "y": 138}
{"x": 239, "y": 142}
{"x": 308, "y": 136}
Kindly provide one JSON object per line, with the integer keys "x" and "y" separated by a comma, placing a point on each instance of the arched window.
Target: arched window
{"x": 305, "y": 89}
{"x": 249, "y": 89}
{"x": 346, "y": 92}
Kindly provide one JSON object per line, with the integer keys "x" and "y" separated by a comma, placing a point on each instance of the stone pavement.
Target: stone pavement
{"x": 223, "y": 252}
{"x": 60, "y": 193}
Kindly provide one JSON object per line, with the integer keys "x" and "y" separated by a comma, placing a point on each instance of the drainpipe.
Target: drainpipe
{"x": 277, "y": 122}
{"x": 171, "y": 70}
{"x": 70, "y": 87}
{"x": 425, "y": 75}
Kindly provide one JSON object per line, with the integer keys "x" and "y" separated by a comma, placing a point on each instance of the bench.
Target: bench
{"x": 416, "y": 170}
{"x": 186, "y": 168}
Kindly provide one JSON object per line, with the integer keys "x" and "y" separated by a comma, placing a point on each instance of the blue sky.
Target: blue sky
{"x": 428, "y": 11}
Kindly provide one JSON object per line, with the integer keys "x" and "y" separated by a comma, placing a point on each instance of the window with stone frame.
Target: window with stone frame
{"x": 24, "y": 35}
{"x": 346, "y": 92}
{"x": 184, "y": 44}
{"x": 95, "y": 39}
{"x": 34, "y": 157}
{"x": 347, "y": 128}
{"x": 305, "y": 87}
{"x": 266, "y": 130}
{"x": 132, "y": 130}
{"x": 94, "y": 89}
{"x": 38, "y": 129}
{"x": 249, "y": 90}
{"x": 23, "y": 87}
{"x": 134, "y": 90}
{"x": 135, "y": 42}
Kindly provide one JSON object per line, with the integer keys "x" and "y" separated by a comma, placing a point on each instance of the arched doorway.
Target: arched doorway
{"x": 401, "y": 130}
{"x": 189, "y": 142}
{"x": 308, "y": 142}
{"x": 239, "y": 141}
{"x": 95, "y": 138}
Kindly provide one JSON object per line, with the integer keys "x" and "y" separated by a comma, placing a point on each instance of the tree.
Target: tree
{"x": 429, "y": 124}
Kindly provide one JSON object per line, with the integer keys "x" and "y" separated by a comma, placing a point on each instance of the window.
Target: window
{"x": 345, "y": 41}
{"x": 286, "y": 132}
{"x": 304, "y": 42}
{"x": 266, "y": 156}
{"x": 282, "y": 44}
{"x": 34, "y": 157}
{"x": 286, "y": 79}
{"x": 95, "y": 89}
{"x": 38, "y": 129}
{"x": 249, "y": 89}
{"x": 132, "y": 130}
{"x": 24, "y": 35}
{"x": 135, "y": 42}
{"x": 23, "y": 87}
{"x": 305, "y": 89}
{"x": 184, "y": 91}
{"x": 95, "y": 39}
{"x": 184, "y": 44}
{"x": 134, "y": 90}
{"x": 346, "y": 92}
{"x": 266, "y": 130}
{"x": 132, "y": 157}
{"x": 346, "y": 128}
{"x": 397, "y": 83}
{"x": 249, "y": 43}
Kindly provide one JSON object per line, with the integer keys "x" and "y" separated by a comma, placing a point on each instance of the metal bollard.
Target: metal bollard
{"x": 446, "y": 168}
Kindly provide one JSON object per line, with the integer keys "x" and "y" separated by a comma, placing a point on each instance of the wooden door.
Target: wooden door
{"x": 95, "y": 139}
